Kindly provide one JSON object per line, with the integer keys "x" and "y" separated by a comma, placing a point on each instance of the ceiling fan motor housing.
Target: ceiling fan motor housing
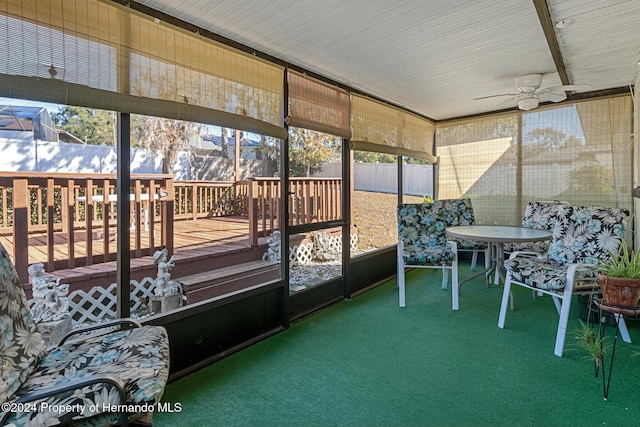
{"x": 529, "y": 83}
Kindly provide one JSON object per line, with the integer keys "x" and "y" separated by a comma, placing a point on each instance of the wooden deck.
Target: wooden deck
{"x": 202, "y": 233}
{"x": 194, "y": 240}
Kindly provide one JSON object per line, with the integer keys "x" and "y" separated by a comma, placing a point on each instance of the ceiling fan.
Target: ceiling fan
{"x": 529, "y": 94}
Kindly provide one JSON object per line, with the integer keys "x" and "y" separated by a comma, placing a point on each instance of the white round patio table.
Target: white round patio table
{"x": 496, "y": 236}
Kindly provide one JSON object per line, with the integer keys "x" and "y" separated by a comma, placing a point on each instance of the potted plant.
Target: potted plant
{"x": 619, "y": 278}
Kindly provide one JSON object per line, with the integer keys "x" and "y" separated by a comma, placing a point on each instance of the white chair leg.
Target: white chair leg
{"x": 401, "y": 295}
{"x": 622, "y": 327}
{"x": 562, "y": 324}
{"x": 474, "y": 259}
{"x": 401, "y": 287}
{"x": 505, "y": 301}
{"x": 455, "y": 288}
{"x": 556, "y": 302}
{"x": 445, "y": 277}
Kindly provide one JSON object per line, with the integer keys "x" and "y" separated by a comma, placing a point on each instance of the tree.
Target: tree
{"x": 548, "y": 138}
{"x": 96, "y": 127}
{"x": 416, "y": 161}
{"x": 371, "y": 157}
{"x": 308, "y": 150}
{"x": 166, "y": 136}
{"x": 269, "y": 149}
{"x": 224, "y": 143}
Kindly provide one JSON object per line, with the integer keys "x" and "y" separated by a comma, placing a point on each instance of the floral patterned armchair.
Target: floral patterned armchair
{"x": 541, "y": 215}
{"x": 99, "y": 380}
{"x": 582, "y": 236}
{"x": 460, "y": 212}
{"x": 422, "y": 244}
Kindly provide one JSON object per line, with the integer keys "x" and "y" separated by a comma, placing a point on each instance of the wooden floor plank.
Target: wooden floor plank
{"x": 204, "y": 233}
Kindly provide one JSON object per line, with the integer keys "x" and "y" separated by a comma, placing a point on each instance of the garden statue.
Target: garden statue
{"x": 50, "y": 297}
{"x": 323, "y": 249}
{"x": 164, "y": 285}
{"x": 273, "y": 251}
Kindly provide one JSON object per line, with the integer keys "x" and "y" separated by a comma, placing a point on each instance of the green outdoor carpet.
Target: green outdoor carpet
{"x": 367, "y": 362}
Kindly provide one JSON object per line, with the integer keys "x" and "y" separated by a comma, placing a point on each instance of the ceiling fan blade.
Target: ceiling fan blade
{"x": 552, "y": 96}
{"x": 575, "y": 88}
{"x": 507, "y": 103}
{"x": 565, "y": 88}
{"x": 558, "y": 93}
{"x": 495, "y": 96}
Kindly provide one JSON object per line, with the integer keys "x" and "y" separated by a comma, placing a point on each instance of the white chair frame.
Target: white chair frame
{"x": 561, "y": 299}
{"x": 455, "y": 291}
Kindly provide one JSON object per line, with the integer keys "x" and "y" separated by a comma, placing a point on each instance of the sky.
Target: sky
{"x": 53, "y": 108}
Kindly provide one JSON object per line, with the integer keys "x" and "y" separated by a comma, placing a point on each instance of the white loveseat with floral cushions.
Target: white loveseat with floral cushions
{"x": 582, "y": 236}
{"x": 100, "y": 380}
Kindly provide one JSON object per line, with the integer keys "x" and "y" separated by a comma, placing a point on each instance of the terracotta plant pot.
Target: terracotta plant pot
{"x": 619, "y": 291}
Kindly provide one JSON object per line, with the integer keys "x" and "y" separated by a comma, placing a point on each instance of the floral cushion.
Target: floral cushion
{"x": 436, "y": 255}
{"x": 421, "y": 228}
{"x": 543, "y": 273}
{"x": 584, "y": 234}
{"x": 21, "y": 345}
{"x": 140, "y": 357}
{"x": 539, "y": 215}
{"x": 587, "y": 234}
{"x": 459, "y": 212}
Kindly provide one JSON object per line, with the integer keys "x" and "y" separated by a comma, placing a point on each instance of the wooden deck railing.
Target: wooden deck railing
{"x": 62, "y": 207}
{"x": 72, "y": 218}
{"x": 310, "y": 200}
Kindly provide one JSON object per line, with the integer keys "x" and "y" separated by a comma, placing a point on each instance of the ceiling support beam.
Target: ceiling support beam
{"x": 548, "y": 28}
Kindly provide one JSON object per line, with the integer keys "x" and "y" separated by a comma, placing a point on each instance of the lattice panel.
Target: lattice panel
{"x": 354, "y": 242}
{"x": 334, "y": 244}
{"x": 304, "y": 253}
{"x": 100, "y": 304}
{"x": 301, "y": 254}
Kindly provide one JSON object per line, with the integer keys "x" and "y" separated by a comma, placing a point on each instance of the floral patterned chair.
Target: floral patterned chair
{"x": 422, "y": 244}
{"x": 542, "y": 215}
{"x": 98, "y": 380}
{"x": 460, "y": 212}
{"x": 583, "y": 235}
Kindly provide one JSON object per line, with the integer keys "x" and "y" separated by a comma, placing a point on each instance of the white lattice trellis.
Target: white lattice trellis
{"x": 354, "y": 242}
{"x": 303, "y": 254}
{"x": 334, "y": 244}
{"x": 100, "y": 303}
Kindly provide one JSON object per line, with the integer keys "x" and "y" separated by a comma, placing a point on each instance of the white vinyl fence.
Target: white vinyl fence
{"x": 23, "y": 155}
{"x": 417, "y": 180}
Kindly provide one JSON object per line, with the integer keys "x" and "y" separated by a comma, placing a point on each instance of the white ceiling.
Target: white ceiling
{"x": 433, "y": 57}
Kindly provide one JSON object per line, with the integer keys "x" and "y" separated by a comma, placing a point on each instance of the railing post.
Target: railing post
{"x": 194, "y": 201}
{"x": 253, "y": 213}
{"x": 150, "y": 213}
{"x": 70, "y": 209}
{"x": 167, "y": 207}
{"x": 137, "y": 214}
{"x": 21, "y": 228}
{"x": 88, "y": 219}
{"x": 51, "y": 211}
{"x": 106, "y": 214}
